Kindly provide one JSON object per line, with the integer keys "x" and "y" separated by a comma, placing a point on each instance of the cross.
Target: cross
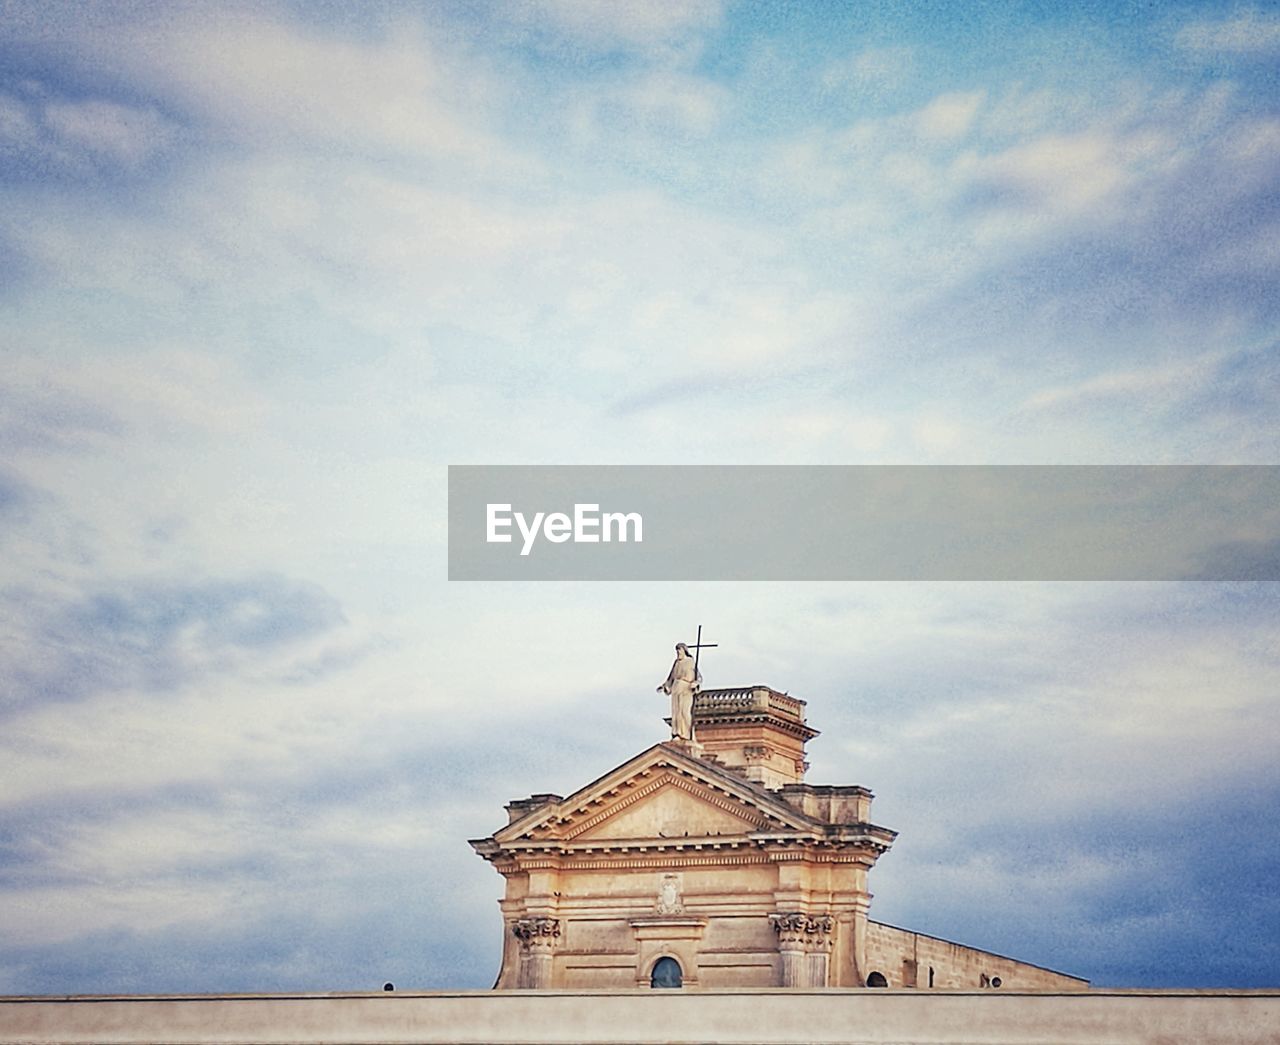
{"x": 698, "y": 647}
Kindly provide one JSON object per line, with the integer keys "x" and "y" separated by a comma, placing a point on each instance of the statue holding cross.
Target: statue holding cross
{"x": 683, "y": 682}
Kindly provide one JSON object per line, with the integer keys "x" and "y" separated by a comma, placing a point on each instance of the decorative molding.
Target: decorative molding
{"x": 672, "y": 853}
{"x": 661, "y": 860}
{"x": 615, "y": 808}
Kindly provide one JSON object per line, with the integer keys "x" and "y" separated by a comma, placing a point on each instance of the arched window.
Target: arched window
{"x": 666, "y": 973}
{"x": 876, "y": 979}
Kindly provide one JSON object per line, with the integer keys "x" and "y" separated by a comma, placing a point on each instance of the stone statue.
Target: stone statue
{"x": 682, "y": 683}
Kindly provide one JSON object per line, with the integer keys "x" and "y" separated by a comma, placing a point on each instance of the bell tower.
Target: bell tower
{"x": 755, "y": 731}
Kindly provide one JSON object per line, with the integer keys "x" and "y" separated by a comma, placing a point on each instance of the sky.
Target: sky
{"x": 266, "y": 270}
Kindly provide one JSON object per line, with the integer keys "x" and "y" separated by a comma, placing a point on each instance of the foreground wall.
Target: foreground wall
{"x": 902, "y": 1017}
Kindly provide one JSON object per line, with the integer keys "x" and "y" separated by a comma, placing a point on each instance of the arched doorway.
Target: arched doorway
{"x": 666, "y": 974}
{"x": 876, "y": 979}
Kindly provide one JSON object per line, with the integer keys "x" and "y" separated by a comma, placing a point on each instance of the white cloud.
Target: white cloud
{"x": 1059, "y": 174}
{"x": 381, "y": 255}
{"x": 1108, "y": 698}
{"x": 939, "y": 436}
{"x": 82, "y": 135}
{"x": 740, "y": 330}
{"x": 1160, "y": 385}
{"x": 152, "y": 392}
{"x": 17, "y": 129}
{"x": 812, "y": 434}
{"x": 665, "y": 99}
{"x": 949, "y": 116}
{"x": 1022, "y": 110}
{"x": 280, "y": 85}
{"x": 875, "y": 70}
{"x": 126, "y": 135}
{"x": 1248, "y": 32}
{"x": 607, "y": 24}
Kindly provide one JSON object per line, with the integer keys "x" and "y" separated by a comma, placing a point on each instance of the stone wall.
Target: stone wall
{"x": 868, "y": 1017}
{"x": 610, "y": 928}
{"x": 913, "y": 960}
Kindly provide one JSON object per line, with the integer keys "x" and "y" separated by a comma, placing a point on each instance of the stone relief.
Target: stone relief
{"x": 669, "y": 895}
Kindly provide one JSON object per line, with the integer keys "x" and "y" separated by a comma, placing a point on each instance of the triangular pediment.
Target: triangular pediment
{"x": 661, "y": 793}
{"x": 671, "y": 806}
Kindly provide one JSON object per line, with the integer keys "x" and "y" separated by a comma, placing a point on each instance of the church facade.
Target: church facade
{"x": 709, "y": 862}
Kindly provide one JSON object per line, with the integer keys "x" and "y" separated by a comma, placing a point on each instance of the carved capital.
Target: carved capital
{"x": 797, "y": 929}
{"x": 537, "y": 932}
{"x": 818, "y": 931}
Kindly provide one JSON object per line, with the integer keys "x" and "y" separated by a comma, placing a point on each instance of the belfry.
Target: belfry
{"x": 707, "y": 861}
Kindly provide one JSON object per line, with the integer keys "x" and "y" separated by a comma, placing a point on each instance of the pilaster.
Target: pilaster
{"x": 538, "y": 937}
{"x": 804, "y": 943}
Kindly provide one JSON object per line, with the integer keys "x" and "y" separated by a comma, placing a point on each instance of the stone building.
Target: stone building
{"x": 711, "y": 863}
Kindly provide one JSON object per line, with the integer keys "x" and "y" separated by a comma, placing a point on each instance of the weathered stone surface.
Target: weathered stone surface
{"x": 671, "y": 855}
{"x": 909, "y": 959}
{"x": 847, "y": 1016}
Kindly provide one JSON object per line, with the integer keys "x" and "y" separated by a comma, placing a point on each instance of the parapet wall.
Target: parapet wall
{"x": 911, "y": 959}
{"x": 869, "y": 1017}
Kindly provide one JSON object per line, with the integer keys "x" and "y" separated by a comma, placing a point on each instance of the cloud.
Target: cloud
{"x": 1107, "y": 699}
{"x": 304, "y": 858}
{"x": 248, "y": 75}
{"x": 13, "y": 493}
{"x": 43, "y": 418}
{"x": 1138, "y": 904}
{"x": 243, "y": 697}
{"x": 1090, "y": 675}
{"x": 602, "y": 25}
{"x": 118, "y": 133}
{"x": 1160, "y": 384}
{"x": 264, "y": 810}
{"x": 1248, "y": 32}
{"x": 152, "y": 636}
{"x": 249, "y": 817}
{"x": 44, "y": 135}
{"x": 1256, "y": 560}
{"x": 949, "y": 116}
{"x": 875, "y": 70}
{"x": 1217, "y": 390}
{"x": 86, "y": 404}
{"x": 666, "y": 101}
{"x": 1243, "y": 383}
{"x": 1062, "y": 176}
